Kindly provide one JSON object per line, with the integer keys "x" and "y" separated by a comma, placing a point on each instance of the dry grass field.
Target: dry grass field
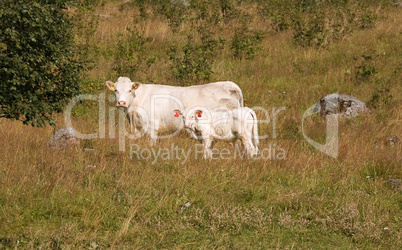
{"x": 293, "y": 197}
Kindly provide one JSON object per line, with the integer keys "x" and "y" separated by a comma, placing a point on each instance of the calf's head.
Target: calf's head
{"x": 124, "y": 91}
{"x": 190, "y": 119}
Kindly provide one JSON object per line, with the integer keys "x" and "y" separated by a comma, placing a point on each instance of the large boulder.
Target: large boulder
{"x": 63, "y": 138}
{"x": 344, "y": 105}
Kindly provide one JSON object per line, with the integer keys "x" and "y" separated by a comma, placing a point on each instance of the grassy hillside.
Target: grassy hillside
{"x": 281, "y": 56}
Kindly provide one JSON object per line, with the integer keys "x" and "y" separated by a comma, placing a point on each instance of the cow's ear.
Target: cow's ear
{"x": 110, "y": 85}
{"x": 198, "y": 113}
{"x": 177, "y": 113}
{"x": 135, "y": 85}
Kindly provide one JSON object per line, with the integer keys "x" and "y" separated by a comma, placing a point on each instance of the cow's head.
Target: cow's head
{"x": 124, "y": 90}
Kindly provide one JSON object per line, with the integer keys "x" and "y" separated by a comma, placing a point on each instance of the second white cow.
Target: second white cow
{"x": 210, "y": 126}
{"x": 149, "y": 106}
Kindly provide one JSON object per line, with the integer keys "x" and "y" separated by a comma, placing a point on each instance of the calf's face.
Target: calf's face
{"x": 123, "y": 91}
{"x": 190, "y": 119}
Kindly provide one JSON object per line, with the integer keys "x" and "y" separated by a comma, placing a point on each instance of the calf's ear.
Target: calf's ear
{"x": 135, "y": 85}
{"x": 198, "y": 113}
{"x": 177, "y": 113}
{"x": 110, "y": 85}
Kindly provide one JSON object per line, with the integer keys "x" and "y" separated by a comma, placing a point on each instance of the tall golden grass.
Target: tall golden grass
{"x": 102, "y": 198}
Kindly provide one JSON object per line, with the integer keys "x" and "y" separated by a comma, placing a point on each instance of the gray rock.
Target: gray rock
{"x": 344, "y": 105}
{"x": 395, "y": 183}
{"x": 63, "y": 138}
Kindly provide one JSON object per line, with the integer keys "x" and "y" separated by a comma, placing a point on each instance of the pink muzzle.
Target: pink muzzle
{"x": 121, "y": 104}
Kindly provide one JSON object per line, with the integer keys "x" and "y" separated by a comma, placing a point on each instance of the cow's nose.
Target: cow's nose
{"x": 121, "y": 104}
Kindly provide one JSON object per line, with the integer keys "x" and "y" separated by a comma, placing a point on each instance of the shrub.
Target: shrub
{"x": 381, "y": 95}
{"x": 195, "y": 60}
{"x": 131, "y": 53}
{"x": 246, "y": 43}
{"x": 365, "y": 67}
{"x": 39, "y": 69}
{"x": 318, "y": 23}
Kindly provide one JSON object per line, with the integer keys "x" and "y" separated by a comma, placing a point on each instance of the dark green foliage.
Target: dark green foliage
{"x": 196, "y": 59}
{"x": 365, "y": 67}
{"x": 39, "y": 69}
{"x": 175, "y": 12}
{"x": 277, "y": 12}
{"x": 318, "y": 23}
{"x": 131, "y": 53}
{"x": 246, "y": 43}
{"x": 381, "y": 96}
{"x": 312, "y": 31}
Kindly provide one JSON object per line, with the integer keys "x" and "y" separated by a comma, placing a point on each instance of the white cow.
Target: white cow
{"x": 210, "y": 126}
{"x": 149, "y": 106}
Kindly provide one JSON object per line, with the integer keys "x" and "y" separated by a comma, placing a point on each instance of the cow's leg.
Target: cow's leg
{"x": 208, "y": 143}
{"x": 132, "y": 125}
{"x": 137, "y": 124}
{"x": 248, "y": 145}
{"x": 238, "y": 147}
{"x": 154, "y": 132}
{"x": 153, "y": 137}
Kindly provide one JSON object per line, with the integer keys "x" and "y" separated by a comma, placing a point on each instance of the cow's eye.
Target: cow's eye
{"x": 115, "y": 90}
{"x": 129, "y": 91}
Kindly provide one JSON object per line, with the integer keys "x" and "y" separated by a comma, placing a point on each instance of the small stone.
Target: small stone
{"x": 105, "y": 15}
{"x": 63, "y": 138}
{"x": 392, "y": 140}
{"x": 395, "y": 183}
{"x": 93, "y": 245}
{"x": 184, "y": 206}
{"x": 386, "y": 141}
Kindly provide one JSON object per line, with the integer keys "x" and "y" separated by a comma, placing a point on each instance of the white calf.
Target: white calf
{"x": 210, "y": 126}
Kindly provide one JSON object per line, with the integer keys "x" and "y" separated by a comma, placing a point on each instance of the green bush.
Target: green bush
{"x": 277, "y": 12}
{"x": 311, "y": 31}
{"x": 246, "y": 43}
{"x": 194, "y": 61}
{"x": 381, "y": 95}
{"x": 131, "y": 53}
{"x": 365, "y": 67}
{"x": 318, "y": 23}
{"x": 176, "y": 13}
{"x": 39, "y": 69}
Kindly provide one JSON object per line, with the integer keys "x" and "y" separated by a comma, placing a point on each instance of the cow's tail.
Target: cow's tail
{"x": 254, "y": 132}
